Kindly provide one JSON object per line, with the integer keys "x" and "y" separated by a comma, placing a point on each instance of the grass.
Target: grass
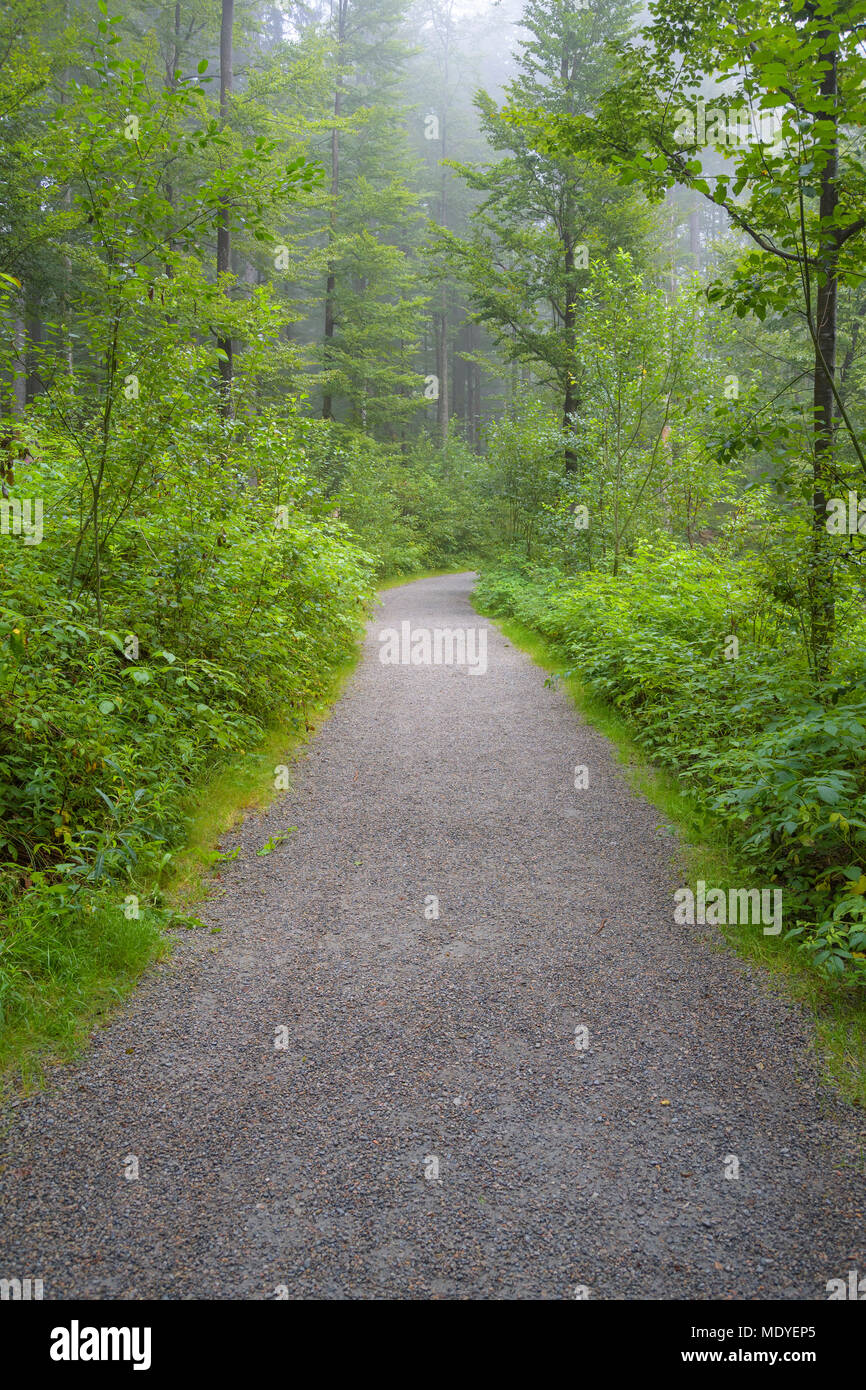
{"x": 705, "y": 853}
{"x": 245, "y": 784}
{"x": 61, "y": 975}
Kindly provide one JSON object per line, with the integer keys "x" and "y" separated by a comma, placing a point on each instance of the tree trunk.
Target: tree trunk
{"x": 331, "y": 284}
{"x": 65, "y": 327}
{"x": 19, "y": 365}
{"x": 570, "y": 402}
{"x": 224, "y": 238}
{"x": 33, "y": 321}
{"x": 171, "y": 84}
{"x": 470, "y": 388}
{"x": 442, "y": 406}
{"x": 458, "y": 391}
{"x": 695, "y": 239}
{"x": 821, "y": 598}
{"x": 442, "y": 403}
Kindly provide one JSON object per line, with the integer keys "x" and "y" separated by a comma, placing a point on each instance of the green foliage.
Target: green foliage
{"x": 226, "y": 605}
{"x": 418, "y": 508}
{"x": 62, "y": 963}
{"x": 235, "y": 612}
{"x": 386, "y": 225}
{"x": 525, "y": 470}
{"x": 653, "y": 414}
{"x": 784, "y": 773}
{"x": 539, "y": 208}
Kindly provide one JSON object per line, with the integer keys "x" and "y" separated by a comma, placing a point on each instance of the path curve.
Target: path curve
{"x": 412, "y": 1039}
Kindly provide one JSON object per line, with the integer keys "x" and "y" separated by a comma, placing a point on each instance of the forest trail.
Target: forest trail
{"x": 415, "y": 1042}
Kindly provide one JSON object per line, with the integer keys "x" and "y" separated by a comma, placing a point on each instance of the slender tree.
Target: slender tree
{"x": 224, "y": 235}
{"x": 543, "y": 213}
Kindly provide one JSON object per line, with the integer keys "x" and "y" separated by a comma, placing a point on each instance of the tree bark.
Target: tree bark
{"x": 821, "y": 598}
{"x": 570, "y": 403}
{"x": 695, "y": 239}
{"x": 19, "y": 364}
{"x": 34, "y": 338}
{"x": 442, "y": 408}
{"x": 331, "y": 283}
{"x": 224, "y": 238}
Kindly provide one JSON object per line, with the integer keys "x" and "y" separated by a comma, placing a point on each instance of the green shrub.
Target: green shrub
{"x": 228, "y": 596}
{"x": 785, "y": 773}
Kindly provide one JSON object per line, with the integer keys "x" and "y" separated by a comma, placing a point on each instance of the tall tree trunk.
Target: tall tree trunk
{"x": 224, "y": 236}
{"x": 459, "y": 377}
{"x": 65, "y": 327}
{"x": 33, "y": 321}
{"x": 821, "y": 598}
{"x": 171, "y": 84}
{"x": 695, "y": 239}
{"x": 570, "y": 402}
{"x": 331, "y": 284}
{"x": 470, "y": 388}
{"x": 443, "y": 405}
{"x": 442, "y": 402}
{"x": 19, "y": 366}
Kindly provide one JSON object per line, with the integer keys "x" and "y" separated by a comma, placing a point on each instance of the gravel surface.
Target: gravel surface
{"x": 413, "y": 1041}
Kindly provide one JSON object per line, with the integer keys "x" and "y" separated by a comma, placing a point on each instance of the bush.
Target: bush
{"x": 227, "y": 596}
{"x": 785, "y": 773}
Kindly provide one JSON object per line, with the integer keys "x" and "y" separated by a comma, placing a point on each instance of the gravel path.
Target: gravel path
{"x": 413, "y": 1041}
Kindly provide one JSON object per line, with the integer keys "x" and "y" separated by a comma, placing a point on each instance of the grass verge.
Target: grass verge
{"x": 64, "y": 971}
{"x": 704, "y": 852}
{"x": 243, "y": 785}
{"x": 246, "y": 784}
